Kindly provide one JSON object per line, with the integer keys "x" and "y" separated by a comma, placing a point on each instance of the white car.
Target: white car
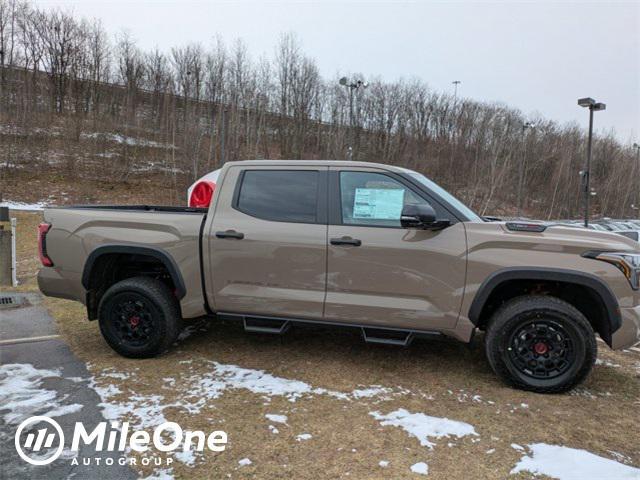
{"x": 200, "y": 193}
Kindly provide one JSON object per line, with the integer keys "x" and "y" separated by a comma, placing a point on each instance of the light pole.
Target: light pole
{"x": 637, "y": 175}
{"x": 455, "y": 90}
{"x": 521, "y": 168}
{"x": 593, "y": 106}
{"x": 351, "y": 86}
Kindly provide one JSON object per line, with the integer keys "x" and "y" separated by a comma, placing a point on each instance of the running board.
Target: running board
{"x": 266, "y": 325}
{"x": 280, "y": 325}
{"x": 387, "y": 337}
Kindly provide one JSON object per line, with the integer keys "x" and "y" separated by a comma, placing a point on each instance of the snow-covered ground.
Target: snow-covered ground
{"x": 122, "y": 139}
{"x": 424, "y": 426}
{"x": 554, "y": 461}
{"x": 22, "y": 394}
{"x": 420, "y": 468}
{"x": 566, "y": 463}
{"x": 30, "y": 207}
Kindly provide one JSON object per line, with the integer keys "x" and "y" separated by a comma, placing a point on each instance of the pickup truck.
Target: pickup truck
{"x": 353, "y": 244}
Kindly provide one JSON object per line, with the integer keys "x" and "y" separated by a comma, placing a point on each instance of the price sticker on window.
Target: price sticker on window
{"x": 378, "y": 203}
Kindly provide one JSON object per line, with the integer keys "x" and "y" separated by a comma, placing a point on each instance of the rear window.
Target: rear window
{"x": 280, "y": 195}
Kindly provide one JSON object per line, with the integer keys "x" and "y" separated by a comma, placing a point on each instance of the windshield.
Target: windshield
{"x": 446, "y": 196}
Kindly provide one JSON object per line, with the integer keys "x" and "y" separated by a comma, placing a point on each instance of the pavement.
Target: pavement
{"x": 28, "y": 338}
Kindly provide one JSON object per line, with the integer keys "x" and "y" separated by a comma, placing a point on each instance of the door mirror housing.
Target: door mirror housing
{"x": 421, "y": 216}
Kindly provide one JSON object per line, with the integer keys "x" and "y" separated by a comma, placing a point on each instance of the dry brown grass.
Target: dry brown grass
{"x": 442, "y": 376}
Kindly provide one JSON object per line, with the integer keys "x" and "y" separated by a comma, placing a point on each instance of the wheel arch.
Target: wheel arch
{"x": 594, "y": 298}
{"x": 94, "y": 265}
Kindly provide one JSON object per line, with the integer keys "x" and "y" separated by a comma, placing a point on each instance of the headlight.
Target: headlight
{"x": 627, "y": 263}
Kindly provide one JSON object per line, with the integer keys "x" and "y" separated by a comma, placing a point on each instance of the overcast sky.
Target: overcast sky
{"x": 536, "y": 56}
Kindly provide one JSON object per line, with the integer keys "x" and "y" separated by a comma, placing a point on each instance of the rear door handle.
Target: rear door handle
{"x": 230, "y": 234}
{"x": 346, "y": 241}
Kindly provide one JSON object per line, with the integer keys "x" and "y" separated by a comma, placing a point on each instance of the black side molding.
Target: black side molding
{"x": 156, "y": 253}
{"x": 549, "y": 274}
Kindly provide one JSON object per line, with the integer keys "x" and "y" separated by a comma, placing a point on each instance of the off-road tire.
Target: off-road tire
{"x": 526, "y": 312}
{"x": 159, "y": 314}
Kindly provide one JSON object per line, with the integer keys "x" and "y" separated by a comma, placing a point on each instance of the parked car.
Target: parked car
{"x": 375, "y": 247}
{"x": 632, "y": 234}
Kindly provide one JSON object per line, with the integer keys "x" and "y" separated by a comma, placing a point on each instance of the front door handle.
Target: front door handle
{"x": 230, "y": 234}
{"x": 346, "y": 241}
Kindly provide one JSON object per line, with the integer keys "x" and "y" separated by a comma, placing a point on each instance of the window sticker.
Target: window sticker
{"x": 378, "y": 203}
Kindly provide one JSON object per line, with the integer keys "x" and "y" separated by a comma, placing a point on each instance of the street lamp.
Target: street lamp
{"x": 455, "y": 89}
{"x": 593, "y": 106}
{"x": 351, "y": 86}
{"x": 637, "y": 175}
{"x": 521, "y": 168}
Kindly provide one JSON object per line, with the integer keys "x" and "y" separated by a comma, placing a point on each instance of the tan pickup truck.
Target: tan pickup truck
{"x": 363, "y": 245}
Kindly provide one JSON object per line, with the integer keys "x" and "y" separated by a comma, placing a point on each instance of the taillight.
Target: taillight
{"x": 202, "y": 194}
{"x": 43, "y": 229}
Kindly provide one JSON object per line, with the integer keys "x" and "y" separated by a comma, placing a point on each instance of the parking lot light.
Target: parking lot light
{"x": 351, "y": 86}
{"x": 637, "y": 175}
{"x": 593, "y": 106}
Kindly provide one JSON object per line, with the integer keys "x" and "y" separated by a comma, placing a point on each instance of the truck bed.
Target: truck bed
{"x": 81, "y": 231}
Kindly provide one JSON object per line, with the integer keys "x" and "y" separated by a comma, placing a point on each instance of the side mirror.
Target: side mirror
{"x": 421, "y": 216}
{"x": 417, "y": 216}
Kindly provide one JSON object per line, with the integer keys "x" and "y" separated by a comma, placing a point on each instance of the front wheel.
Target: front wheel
{"x": 540, "y": 343}
{"x": 139, "y": 317}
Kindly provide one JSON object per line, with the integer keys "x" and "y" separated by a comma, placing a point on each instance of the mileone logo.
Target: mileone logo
{"x": 44, "y": 441}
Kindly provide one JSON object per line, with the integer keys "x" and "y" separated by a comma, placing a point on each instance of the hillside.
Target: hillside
{"x": 100, "y": 119}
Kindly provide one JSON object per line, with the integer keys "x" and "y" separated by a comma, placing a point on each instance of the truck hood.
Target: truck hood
{"x": 554, "y": 238}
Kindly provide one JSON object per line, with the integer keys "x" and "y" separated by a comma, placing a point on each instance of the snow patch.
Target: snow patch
{"x": 423, "y": 426}
{"x": 261, "y": 382}
{"x": 276, "y": 418}
{"x": 188, "y": 457}
{"x": 383, "y": 463}
{"x": 303, "y": 436}
{"x": 122, "y": 139}
{"x": 420, "y": 468}
{"x": 373, "y": 391}
{"x": 25, "y": 207}
{"x": 607, "y": 363}
{"x": 244, "y": 462}
{"x": 22, "y": 395}
{"x": 566, "y": 463}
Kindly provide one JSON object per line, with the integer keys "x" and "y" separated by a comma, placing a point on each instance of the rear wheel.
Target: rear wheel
{"x": 139, "y": 317}
{"x": 540, "y": 343}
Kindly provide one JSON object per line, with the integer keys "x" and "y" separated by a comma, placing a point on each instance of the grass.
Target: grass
{"x": 600, "y": 416}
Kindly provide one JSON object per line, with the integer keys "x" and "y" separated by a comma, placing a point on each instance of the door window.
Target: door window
{"x": 374, "y": 199}
{"x": 279, "y": 195}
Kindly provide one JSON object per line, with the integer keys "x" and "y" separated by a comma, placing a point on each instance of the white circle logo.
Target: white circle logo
{"x": 35, "y": 442}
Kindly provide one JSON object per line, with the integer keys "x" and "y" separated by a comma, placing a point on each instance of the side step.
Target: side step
{"x": 266, "y": 325}
{"x": 387, "y": 337}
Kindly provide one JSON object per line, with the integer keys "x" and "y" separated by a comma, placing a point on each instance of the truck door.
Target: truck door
{"x": 268, "y": 242}
{"x": 380, "y": 273}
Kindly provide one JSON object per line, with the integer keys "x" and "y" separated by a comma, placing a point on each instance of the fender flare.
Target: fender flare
{"x": 590, "y": 281}
{"x": 160, "y": 255}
